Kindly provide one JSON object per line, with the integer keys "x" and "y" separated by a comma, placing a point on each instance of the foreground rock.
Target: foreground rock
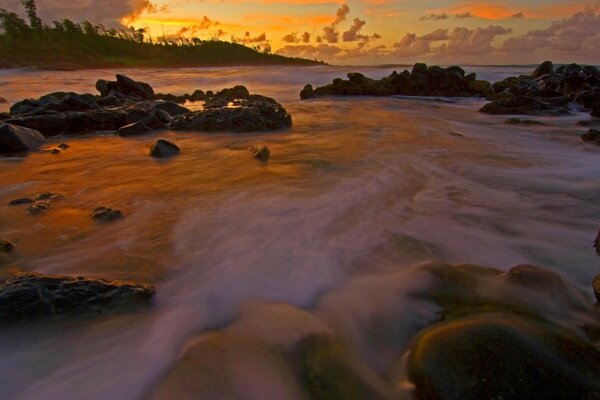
{"x": 591, "y": 136}
{"x": 18, "y": 139}
{"x": 421, "y": 81}
{"x": 547, "y": 91}
{"x": 163, "y": 148}
{"x": 502, "y": 357}
{"x": 105, "y": 215}
{"x": 28, "y": 296}
{"x": 260, "y": 152}
{"x": 6, "y": 246}
{"x": 131, "y": 107}
{"x": 235, "y": 110}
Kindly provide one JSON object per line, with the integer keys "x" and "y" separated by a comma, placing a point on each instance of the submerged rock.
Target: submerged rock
{"x": 526, "y": 106}
{"x": 496, "y": 356}
{"x": 134, "y": 129}
{"x": 106, "y": 215}
{"x": 3, "y": 100}
{"x": 164, "y": 148}
{"x": 5, "y": 246}
{"x": 597, "y": 243}
{"x": 28, "y": 296}
{"x": 260, "y": 152}
{"x": 18, "y": 139}
{"x": 591, "y": 136}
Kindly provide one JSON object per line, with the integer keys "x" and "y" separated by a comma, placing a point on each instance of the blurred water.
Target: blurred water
{"x": 358, "y": 187}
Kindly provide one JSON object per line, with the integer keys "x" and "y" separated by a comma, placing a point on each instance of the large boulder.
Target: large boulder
{"x": 172, "y": 108}
{"x": 17, "y": 138}
{"x": 28, "y": 296}
{"x": 124, "y": 87}
{"x": 544, "y": 68}
{"x": 496, "y": 356}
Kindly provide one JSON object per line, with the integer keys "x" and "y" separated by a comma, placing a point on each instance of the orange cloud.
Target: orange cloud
{"x": 500, "y": 12}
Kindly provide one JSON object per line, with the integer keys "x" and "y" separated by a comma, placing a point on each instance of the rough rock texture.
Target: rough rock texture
{"x": 106, "y": 215}
{"x": 547, "y": 90}
{"x": 27, "y": 296}
{"x": 421, "y": 81}
{"x": 496, "y": 356}
{"x": 591, "y": 136}
{"x": 125, "y": 102}
{"x": 260, "y": 152}
{"x": 164, "y": 148}
{"x": 17, "y": 139}
{"x": 235, "y": 110}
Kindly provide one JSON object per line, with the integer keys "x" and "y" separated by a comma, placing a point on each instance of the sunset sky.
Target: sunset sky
{"x": 366, "y": 31}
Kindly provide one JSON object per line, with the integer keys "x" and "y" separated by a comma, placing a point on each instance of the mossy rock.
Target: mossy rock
{"x": 502, "y": 357}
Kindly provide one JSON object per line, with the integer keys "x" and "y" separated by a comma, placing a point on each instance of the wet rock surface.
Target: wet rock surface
{"x": 547, "y": 91}
{"x": 29, "y": 296}
{"x": 6, "y": 246}
{"x": 37, "y": 204}
{"x": 163, "y": 148}
{"x": 499, "y": 356}
{"x": 15, "y": 139}
{"x": 131, "y": 107}
{"x": 105, "y": 215}
{"x": 235, "y": 110}
{"x": 591, "y": 136}
{"x": 260, "y": 152}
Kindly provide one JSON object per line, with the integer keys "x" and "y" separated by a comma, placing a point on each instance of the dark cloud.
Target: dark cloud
{"x": 463, "y": 15}
{"x": 434, "y": 17}
{"x": 193, "y": 30}
{"x": 248, "y": 39}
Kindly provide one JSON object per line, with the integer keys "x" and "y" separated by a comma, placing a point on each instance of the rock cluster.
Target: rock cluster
{"x": 422, "y": 80}
{"x": 37, "y": 204}
{"x": 131, "y": 108}
{"x": 105, "y": 215}
{"x": 235, "y": 110}
{"x": 548, "y": 90}
{"x": 28, "y": 296}
{"x": 260, "y": 152}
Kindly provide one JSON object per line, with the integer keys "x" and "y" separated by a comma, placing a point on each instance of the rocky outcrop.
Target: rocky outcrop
{"x": 235, "y": 110}
{"x": 547, "y": 91}
{"x": 29, "y": 296}
{"x": 260, "y": 152}
{"x": 163, "y": 148}
{"x": 423, "y": 80}
{"x": 130, "y": 108}
{"x": 18, "y": 139}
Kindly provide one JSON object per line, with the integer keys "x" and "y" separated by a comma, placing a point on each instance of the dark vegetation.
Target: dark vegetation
{"x": 68, "y": 45}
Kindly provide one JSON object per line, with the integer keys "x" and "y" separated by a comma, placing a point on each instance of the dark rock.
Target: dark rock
{"x": 236, "y": 92}
{"x": 3, "y": 100}
{"x": 172, "y": 108}
{"x": 171, "y": 97}
{"x": 502, "y": 357}
{"x": 73, "y": 122}
{"x": 39, "y": 207}
{"x": 136, "y": 128}
{"x": 49, "y": 196}
{"x": 329, "y": 372}
{"x": 526, "y": 106}
{"x": 482, "y": 88}
{"x": 596, "y": 110}
{"x": 544, "y": 68}
{"x": 597, "y": 243}
{"x": 5, "y": 246}
{"x": 107, "y": 101}
{"x": 535, "y": 278}
{"x": 250, "y": 114}
{"x": 596, "y": 287}
{"x": 419, "y": 68}
{"x": 105, "y": 215}
{"x": 136, "y": 114}
{"x": 29, "y": 296}
{"x": 21, "y": 201}
{"x": 588, "y": 98}
{"x": 307, "y": 92}
{"x": 4, "y": 116}
{"x": 163, "y": 116}
{"x": 592, "y": 136}
{"x": 260, "y": 152}
{"x": 198, "y": 95}
{"x": 572, "y": 70}
{"x": 63, "y": 146}
{"x": 16, "y": 138}
{"x": 164, "y": 148}
{"x": 129, "y": 86}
